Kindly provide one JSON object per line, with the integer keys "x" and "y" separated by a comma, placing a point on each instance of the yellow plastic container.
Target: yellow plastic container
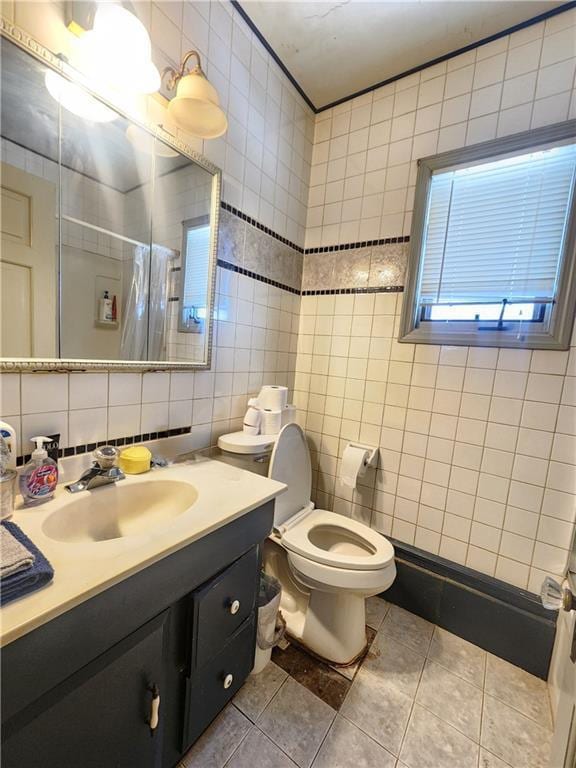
{"x": 135, "y": 460}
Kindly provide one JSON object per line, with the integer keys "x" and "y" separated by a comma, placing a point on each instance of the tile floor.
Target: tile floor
{"x": 421, "y": 698}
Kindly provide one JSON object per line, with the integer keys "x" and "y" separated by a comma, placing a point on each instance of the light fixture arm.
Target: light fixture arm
{"x": 174, "y": 76}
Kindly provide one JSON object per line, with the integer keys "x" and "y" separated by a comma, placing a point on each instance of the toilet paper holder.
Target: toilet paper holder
{"x": 371, "y": 459}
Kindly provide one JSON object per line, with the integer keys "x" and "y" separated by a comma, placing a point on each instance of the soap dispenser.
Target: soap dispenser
{"x": 39, "y": 477}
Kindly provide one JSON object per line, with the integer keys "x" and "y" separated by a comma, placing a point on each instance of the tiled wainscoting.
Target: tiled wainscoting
{"x": 477, "y": 446}
{"x": 422, "y": 698}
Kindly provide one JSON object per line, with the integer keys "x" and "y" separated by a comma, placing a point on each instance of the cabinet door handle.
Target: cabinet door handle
{"x": 154, "y": 708}
{"x": 234, "y": 607}
{"x": 228, "y": 680}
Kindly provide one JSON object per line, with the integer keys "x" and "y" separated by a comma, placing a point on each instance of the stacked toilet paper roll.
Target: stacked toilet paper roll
{"x": 270, "y": 421}
{"x": 252, "y": 419}
{"x": 273, "y": 397}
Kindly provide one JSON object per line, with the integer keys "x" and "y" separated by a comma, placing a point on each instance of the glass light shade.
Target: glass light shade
{"x": 120, "y": 27}
{"x": 76, "y": 100}
{"x": 196, "y": 107}
{"x": 116, "y": 53}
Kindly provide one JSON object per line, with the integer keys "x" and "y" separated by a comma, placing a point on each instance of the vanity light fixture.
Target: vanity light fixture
{"x": 116, "y": 54}
{"x": 196, "y": 106}
{"x": 113, "y": 59}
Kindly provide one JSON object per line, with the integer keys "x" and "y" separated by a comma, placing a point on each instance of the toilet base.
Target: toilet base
{"x": 331, "y": 624}
{"x": 335, "y": 626}
{"x": 297, "y": 643}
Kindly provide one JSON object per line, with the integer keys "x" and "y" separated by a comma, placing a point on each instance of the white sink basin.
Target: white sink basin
{"x": 119, "y": 510}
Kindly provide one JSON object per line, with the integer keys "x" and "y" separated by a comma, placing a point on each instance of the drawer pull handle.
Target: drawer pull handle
{"x": 228, "y": 680}
{"x": 234, "y": 607}
{"x": 154, "y": 708}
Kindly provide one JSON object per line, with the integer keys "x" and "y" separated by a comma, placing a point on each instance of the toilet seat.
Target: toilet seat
{"x": 340, "y": 542}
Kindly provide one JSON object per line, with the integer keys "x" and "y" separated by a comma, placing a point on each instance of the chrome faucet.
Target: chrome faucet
{"x": 104, "y": 471}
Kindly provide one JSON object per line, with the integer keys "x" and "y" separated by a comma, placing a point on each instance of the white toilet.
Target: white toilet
{"x": 327, "y": 564}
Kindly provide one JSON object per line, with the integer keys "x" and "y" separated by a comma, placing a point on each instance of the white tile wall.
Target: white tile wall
{"x": 88, "y": 407}
{"x": 477, "y": 461}
{"x": 365, "y": 150}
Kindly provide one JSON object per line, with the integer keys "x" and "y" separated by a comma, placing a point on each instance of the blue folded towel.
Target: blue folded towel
{"x": 29, "y": 580}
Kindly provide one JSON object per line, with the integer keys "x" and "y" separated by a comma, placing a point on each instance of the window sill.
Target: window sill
{"x": 503, "y": 339}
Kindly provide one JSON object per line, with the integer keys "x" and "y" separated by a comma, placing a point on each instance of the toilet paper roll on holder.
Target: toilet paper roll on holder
{"x": 371, "y": 456}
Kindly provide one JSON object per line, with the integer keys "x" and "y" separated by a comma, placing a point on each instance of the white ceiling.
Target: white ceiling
{"x": 336, "y": 48}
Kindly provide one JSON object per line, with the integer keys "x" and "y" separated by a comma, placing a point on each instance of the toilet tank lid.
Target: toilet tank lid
{"x": 240, "y": 442}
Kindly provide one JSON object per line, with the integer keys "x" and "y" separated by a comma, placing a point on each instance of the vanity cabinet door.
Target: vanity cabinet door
{"x": 222, "y": 605}
{"x": 98, "y": 718}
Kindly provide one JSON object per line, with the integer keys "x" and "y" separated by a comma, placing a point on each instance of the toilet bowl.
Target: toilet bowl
{"x": 327, "y": 564}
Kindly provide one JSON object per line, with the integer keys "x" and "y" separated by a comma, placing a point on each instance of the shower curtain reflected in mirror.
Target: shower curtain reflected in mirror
{"x": 144, "y": 328}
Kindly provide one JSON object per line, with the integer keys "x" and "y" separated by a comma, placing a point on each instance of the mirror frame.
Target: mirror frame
{"x": 23, "y": 40}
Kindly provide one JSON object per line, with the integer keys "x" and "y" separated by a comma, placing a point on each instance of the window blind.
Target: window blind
{"x": 495, "y": 231}
{"x": 196, "y": 269}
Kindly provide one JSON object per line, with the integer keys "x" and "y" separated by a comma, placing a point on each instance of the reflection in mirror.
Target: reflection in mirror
{"x": 105, "y": 239}
{"x": 107, "y": 254}
{"x": 181, "y": 225}
{"x": 29, "y": 246}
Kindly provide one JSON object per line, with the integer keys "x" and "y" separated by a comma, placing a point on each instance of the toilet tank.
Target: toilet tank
{"x": 258, "y": 463}
{"x": 249, "y": 452}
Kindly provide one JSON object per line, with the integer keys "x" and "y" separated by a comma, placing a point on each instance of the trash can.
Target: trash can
{"x": 271, "y": 624}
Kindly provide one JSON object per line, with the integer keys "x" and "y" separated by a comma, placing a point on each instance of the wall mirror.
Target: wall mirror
{"x": 108, "y": 249}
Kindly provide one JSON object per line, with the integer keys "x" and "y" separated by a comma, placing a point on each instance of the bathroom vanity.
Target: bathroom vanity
{"x": 142, "y": 639}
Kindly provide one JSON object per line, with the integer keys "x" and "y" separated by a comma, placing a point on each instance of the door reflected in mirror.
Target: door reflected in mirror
{"x": 108, "y": 232}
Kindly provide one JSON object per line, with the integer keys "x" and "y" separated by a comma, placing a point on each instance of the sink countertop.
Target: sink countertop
{"x": 83, "y": 570}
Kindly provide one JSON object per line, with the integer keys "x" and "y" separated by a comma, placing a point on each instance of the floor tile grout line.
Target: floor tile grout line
{"x": 414, "y": 700}
{"x": 361, "y": 729}
{"x": 282, "y": 684}
{"x": 447, "y": 722}
{"x": 460, "y": 677}
{"x": 436, "y": 661}
{"x": 484, "y": 680}
{"x": 511, "y": 706}
{"x": 323, "y": 740}
{"x": 289, "y": 677}
{"x": 276, "y": 745}
{"x": 242, "y": 740}
{"x": 518, "y": 711}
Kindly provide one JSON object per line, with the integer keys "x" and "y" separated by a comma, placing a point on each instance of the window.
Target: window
{"x": 492, "y": 245}
{"x": 195, "y": 261}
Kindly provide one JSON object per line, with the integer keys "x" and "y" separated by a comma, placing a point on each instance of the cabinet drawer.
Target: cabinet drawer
{"x": 221, "y": 606}
{"x": 210, "y": 688}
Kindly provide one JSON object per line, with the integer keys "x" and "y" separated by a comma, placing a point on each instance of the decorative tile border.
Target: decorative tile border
{"x": 324, "y": 292}
{"x": 320, "y": 249}
{"x": 78, "y": 450}
{"x": 363, "y": 244}
{"x": 340, "y": 291}
{"x": 241, "y": 271}
{"x": 261, "y": 227}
